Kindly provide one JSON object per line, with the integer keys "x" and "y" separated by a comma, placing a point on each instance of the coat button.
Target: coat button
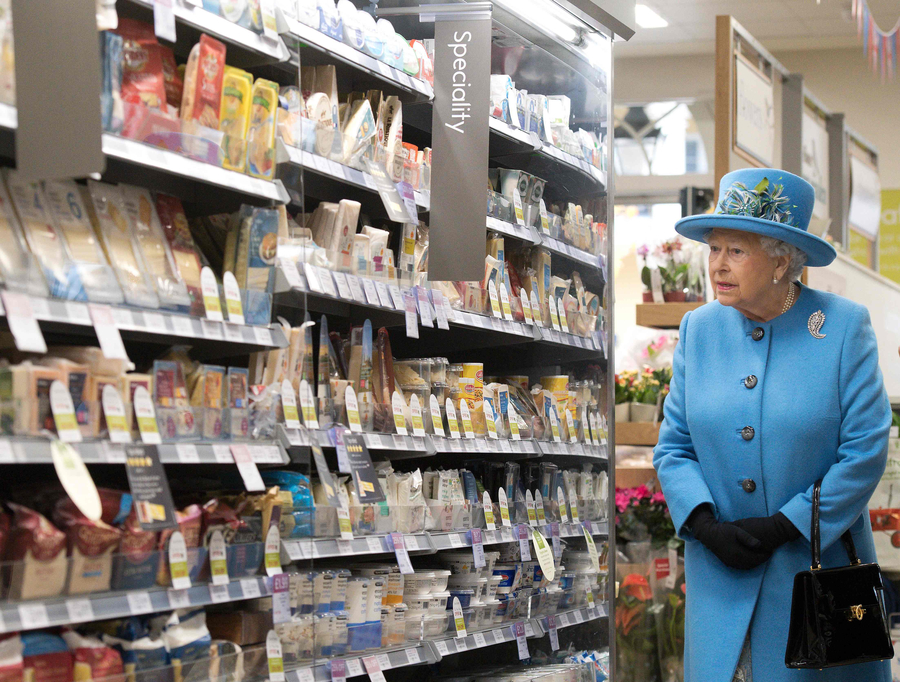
{"x": 758, "y": 333}
{"x": 751, "y": 381}
{"x": 747, "y": 433}
{"x": 749, "y": 485}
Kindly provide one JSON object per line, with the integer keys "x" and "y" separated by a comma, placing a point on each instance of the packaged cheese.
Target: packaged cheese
{"x": 203, "y": 78}
{"x": 234, "y": 116}
{"x": 77, "y": 379}
{"x": 74, "y": 226}
{"x": 142, "y": 71}
{"x": 261, "y": 131}
{"x": 108, "y": 215}
{"x": 111, "y": 107}
{"x": 184, "y": 252}
{"x": 172, "y": 81}
{"x": 257, "y": 247}
{"x": 154, "y": 247}
{"x": 18, "y": 267}
{"x": 43, "y": 238}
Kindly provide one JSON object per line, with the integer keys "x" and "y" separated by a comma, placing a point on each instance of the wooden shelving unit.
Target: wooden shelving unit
{"x": 663, "y": 315}
{"x": 637, "y": 433}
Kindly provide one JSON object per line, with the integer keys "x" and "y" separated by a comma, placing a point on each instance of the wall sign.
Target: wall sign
{"x": 814, "y": 159}
{"x": 754, "y": 112}
{"x": 865, "y": 198}
{"x": 462, "y": 47}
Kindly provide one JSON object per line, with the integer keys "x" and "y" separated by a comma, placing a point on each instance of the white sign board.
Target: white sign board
{"x": 814, "y": 160}
{"x": 754, "y": 121}
{"x": 865, "y": 198}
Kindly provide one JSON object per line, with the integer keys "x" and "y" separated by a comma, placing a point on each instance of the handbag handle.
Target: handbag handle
{"x": 815, "y": 537}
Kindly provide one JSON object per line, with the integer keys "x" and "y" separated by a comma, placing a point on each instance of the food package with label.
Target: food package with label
{"x": 77, "y": 378}
{"x": 38, "y": 552}
{"x": 184, "y": 252}
{"x": 43, "y": 237}
{"x": 25, "y": 398}
{"x": 19, "y": 268}
{"x": 93, "y": 660}
{"x": 91, "y": 545}
{"x": 208, "y": 394}
{"x": 261, "y": 130}
{"x": 234, "y": 117}
{"x": 359, "y": 134}
{"x": 203, "y": 76}
{"x": 148, "y": 234}
{"x": 46, "y": 658}
{"x": 67, "y": 208}
{"x": 110, "y": 219}
{"x": 173, "y": 412}
{"x": 257, "y": 246}
{"x": 112, "y": 111}
{"x": 143, "y": 82}
{"x": 172, "y": 80}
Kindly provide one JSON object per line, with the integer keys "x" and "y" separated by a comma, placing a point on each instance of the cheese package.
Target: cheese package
{"x": 341, "y": 244}
{"x": 43, "y": 238}
{"x": 128, "y": 384}
{"x": 142, "y": 72}
{"x": 359, "y": 133}
{"x": 74, "y": 225}
{"x": 238, "y": 412}
{"x": 203, "y": 78}
{"x": 172, "y": 81}
{"x": 77, "y": 378}
{"x": 234, "y": 117}
{"x": 18, "y": 267}
{"x": 111, "y": 107}
{"x": 173, "y": 412}
{"x": 184, "y": 252}
{"x": 257, "y": 248}
{"x": 154, "y": 247}
{"x": 110, "y": 220}
{"x": 208, "y": 393}
{"x": 261, "y": 130}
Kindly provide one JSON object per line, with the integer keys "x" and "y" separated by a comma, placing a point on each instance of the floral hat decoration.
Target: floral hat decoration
{"x": 768, "y": 202}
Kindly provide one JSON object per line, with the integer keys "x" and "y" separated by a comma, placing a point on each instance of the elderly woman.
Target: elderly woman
{"x": 775, "y": 386}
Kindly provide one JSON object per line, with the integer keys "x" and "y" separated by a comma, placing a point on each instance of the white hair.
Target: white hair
{"x": 775, "y": 248}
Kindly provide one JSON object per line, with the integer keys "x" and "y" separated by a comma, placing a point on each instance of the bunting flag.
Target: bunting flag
{"x": 880, "y": 47}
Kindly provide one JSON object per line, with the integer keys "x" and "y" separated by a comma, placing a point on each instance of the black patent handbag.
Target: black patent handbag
{"x": 837, "y": 614}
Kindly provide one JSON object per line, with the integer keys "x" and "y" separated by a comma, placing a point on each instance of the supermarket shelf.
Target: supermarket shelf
{"x": 245, "y": 48}
{"x": 637, "y": 433}
{"x": 447, "y": 646}
{"x": 522, "y": 448}
{"x": 663, "y": 315}
{"x": 51, "y": 612}
{"x": 523, "y": 232}
{"x": 321, "y": 548}
{"x": 417, "y": 446}
{"x": 458, "y": 539}
{"x": 575, "y": 450}
{"x": 158, "y": 326}
{"x": 566, "y": 619}
{"x": 135, "y": 162}
{"x": 329, "y": 179}
{"x": 532, "y": 236}
{"x": 25, "y": 450}
{"x": 419, "y": 653}
{"x": 362, "y": 71}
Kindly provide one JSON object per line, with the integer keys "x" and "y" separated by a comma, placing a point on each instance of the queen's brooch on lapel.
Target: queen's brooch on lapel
{"x": 816, "y": 320}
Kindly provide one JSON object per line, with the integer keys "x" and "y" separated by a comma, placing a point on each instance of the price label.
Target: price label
{"x": 247, "y": 468}
{"x": 402, "y": 555}
{"x": 495, "y": 300}
{"x": 219, "y": 594}
{"x": 356, "y": 292}
{"x": 536, "y": 309}
{"x": 461, "y": 645}
{"x": 384, "y": 296}
{"x": 263, "y": 336}
{"x": 479, "y": 640}
{"x": 273, "y": 551}
{"x": 439, "y": 310}
{"x": 561, "y": 501}
{"x": 210, "y": 289}
{"x": 281, "y": 599}
{"x": 412, "y": 323}
{"x": 338, "y": 670}
{"x": 504, "y": 507}
{"x": 524, "y": 548}
{"x": 396, "y": 297}
{"x": 526, "y": 306}
{"x": 518, "y": 631}
{"x": 275, "y": 657}
{"x": 452, "y": 422}
{"x": 223, "y": 455}
{"x": 415, "y": 411}
{"x": 107, "y": 332}
{"x": 477, "y": 548}
{"x": 517, "y": 206}
{"x": 412, "y": 655}
{"x": 352, "y": 410}
{"x": 563, "y": 318}
{"x": 539, "y": 507}
{"x": 554, "y": 635}
{"x": 397, "y": 406}
{"x": 489, "y": 419}
{"x": 442, "y": 648}
{"x": 554, "y": 314}
{"x": 187, "y": 453}
{"x": 373, "y": 669}
{"x": 590, "y": 598}
{"x": 64, "y": 413}
{"x": 327, "y": 283}
{"x": 178, "y": 567}
{"x": 544, "y": 554}
{"x": 250, "y": 588}
{"x": 573, "y": 506}
{"x": 592, "y": 550}
{"x": 79, "y": 610}
{"x": 233, "y": 298}
{"x": 35, "y": 615}
{"x": 114, "y": 411}
{"x": 424, "y": 307}
{"x": 354, "y": 667}
{"x": 545, "y": 219}
{"x": 218, "y": 564}
{"x": 179, "y": 599}
{"x": 308, "y": 406}
{"x": 312, "y": 278}
{"x": 371, "y": 291}
{"x": 139, "y": 603}
{"x": 554, "y": 424}
{"x": 513, "y": 421}
{"x": 504, "y": 303}
{"x": 343, "y": 516}
{"x": 529, "y": 508}
{"x": 554, "y": 538}
{"x": 164, "y": 20}
{"x": 146, "y": 417}
{"x": 383, "y": 661}
{"x": 466, "y": 418}
{"x": 458, "y": 619}
{"x": 488, "y": 511}
{"x": 437, "y": 420}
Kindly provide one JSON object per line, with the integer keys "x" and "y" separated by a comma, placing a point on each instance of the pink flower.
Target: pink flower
{"x": 640, "y": 492}
{"x": 643, "y": 250}
{"x": 622, "y": 499}
{"x": 657, "y": 498}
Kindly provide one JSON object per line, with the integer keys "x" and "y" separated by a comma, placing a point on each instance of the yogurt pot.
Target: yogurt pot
{"x": 441, "y": 576}
{"x": 465, "y": 598}
{"x": 438, "y": 601}
{"x": 490, "y": 558}
{"x": 492, "y": 606}
{"x": 459, "y": 562}
{"x": 419, "y": 602}
{"x": 417, "y": 583}
{"x": 470, "y": 582}
{"x": 434, "y": 624}
{"x": 480, "y": 616}
{"x": 414, "y": 624}
{"x": 508, "y": 574}
{"x": 397, "y": 625}
{"x": 490, "y": 590}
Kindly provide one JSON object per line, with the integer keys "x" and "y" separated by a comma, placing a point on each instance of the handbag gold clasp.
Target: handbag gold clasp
{"x": 856, "y": 612}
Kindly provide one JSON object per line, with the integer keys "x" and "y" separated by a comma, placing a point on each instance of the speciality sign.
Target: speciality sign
{"x": 754, "y": 130}
{"x": 149, "y": 487}
{"x": 364, "y": 476}
{"x": 459, "y": 138}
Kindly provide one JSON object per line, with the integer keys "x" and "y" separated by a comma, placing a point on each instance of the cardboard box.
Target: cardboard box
{"x": 240, "y": 627}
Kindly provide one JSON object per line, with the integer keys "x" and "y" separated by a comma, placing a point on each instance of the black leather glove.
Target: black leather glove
{"x": 771, "y": 531}
{"x": 734, "y": 547}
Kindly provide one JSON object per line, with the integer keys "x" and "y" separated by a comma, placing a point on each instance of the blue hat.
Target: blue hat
{"x": 768, "y": 202}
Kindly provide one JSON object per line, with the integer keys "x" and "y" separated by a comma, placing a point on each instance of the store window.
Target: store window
{"x": 660, "y": 138}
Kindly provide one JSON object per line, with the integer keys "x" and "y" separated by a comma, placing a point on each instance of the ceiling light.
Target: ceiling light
{"x": 545, "y": 16}
{"x": 647, "y": 18}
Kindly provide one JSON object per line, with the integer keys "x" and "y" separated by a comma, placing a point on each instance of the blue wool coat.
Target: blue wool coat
{"x": 818, "y": 410}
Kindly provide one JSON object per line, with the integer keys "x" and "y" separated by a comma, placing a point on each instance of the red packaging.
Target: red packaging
{"x": 38, "y": 550}
{"x": 172, "y": 81}
{"x": 134, "y": 567}
{"x": 91, "y": 546}
{"x": 92, "y": 659}
{"x": 11, "y": 664}
{"x": 46, "y": 658}
{"x": 142, "y": 70}
{"x": 204, "y": 96}
{"x": 178, "y": 233}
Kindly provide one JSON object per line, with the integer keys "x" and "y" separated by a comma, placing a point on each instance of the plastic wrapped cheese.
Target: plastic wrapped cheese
{"x": 18, "y": 267}
{"x": 111, "y": 223}
{"x": 234, "y": 115}
{"x": 154, "y": 247}
{"x": 261, "y": 130}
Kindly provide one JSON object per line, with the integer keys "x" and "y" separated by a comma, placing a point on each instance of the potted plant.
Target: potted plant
{"x": 673, "y": 267}
{"x": 624, "y": 395}
{"x": 645, "y": 405}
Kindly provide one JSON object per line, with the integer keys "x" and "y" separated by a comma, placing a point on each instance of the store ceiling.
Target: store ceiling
{"x": 779, "y": 24}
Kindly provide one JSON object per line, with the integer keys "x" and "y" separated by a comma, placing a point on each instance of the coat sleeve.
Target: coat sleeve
{"x": 862, "y": 452}
{"x": 674, "y": 457}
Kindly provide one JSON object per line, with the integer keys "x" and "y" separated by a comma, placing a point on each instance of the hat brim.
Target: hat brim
{"x": 818, "y": 251}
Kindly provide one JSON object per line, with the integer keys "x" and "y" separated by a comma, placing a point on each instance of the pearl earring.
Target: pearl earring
{"x": 774, "y": 280}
